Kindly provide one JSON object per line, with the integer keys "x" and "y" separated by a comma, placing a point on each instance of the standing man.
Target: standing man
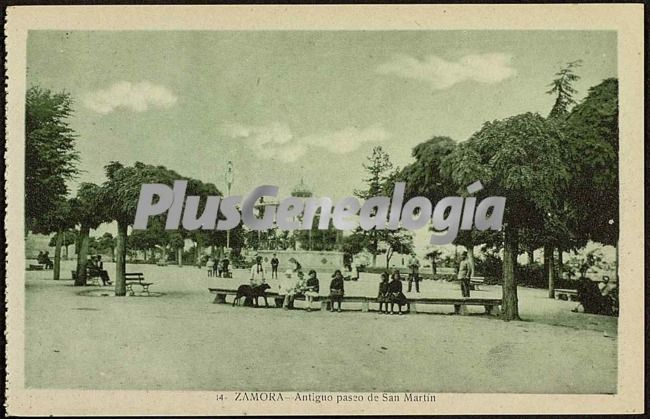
{"x": 414, "y": 266}
{"x": 257, "y": 273}
{"x": 274, "y": 266}
{"x": 464, "y": 272}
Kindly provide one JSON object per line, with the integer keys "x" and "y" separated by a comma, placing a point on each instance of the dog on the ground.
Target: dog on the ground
{"x": 251, "y": 294}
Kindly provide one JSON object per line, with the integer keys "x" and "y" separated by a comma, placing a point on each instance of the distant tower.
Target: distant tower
{"x": 301, "y": 190}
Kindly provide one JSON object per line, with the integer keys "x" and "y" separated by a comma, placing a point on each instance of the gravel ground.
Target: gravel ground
{"x": 181, "y": 341}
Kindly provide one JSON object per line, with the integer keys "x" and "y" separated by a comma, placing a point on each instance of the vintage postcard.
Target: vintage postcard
{"x": 276, "y": 210}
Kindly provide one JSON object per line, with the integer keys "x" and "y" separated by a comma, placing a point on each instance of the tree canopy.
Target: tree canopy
{"x": 50, "y": 157}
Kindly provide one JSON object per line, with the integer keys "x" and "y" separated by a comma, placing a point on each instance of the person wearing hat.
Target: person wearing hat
{"x": 257, "y": 272}
{"x": 414, "y": 266}
{"x": 464, "y": 273}
{"x": 312, "y": 288}
{"x": 336, "y": 290}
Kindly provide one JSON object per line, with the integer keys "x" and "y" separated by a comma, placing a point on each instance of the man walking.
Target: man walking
{"x": 464, "y": 273}
{"x": 414, "y": 266}
{"x": 274, "y": 266}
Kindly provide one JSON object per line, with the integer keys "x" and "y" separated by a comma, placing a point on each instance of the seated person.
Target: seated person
{"x": 47, "y": 262}
{"x": 297, "y": 288}
{"x": 336, "y": 290}
{"x": 608, "y": 296}
{"x": 96, "y": 268}
{"x": 311, "y": 288}
{"x": 588, "y": 295}
{"x": 383, "y": 296}
{"x": 396, "y": 294}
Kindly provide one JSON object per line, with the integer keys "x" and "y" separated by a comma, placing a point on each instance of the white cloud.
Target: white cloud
{"x": 348, "y": 139}
{"x": 276, "y": 140}
{"x": 137, "y": 97}
{"x": 442, "y": 74}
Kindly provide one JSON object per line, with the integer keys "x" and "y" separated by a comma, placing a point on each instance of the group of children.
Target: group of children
{"x": 391, "y": 293}
{"x": 218, "y": 268}
{"x": 294, "y": 283}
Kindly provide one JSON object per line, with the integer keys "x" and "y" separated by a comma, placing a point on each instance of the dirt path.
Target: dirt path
{"x": 180, "y": 341}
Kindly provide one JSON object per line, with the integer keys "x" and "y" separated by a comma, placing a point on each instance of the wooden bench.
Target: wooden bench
{"x": 475, "y": 281}
{"x": 491, "y": 305}
{"x": 136, "y": 278}
{"x": 36, "y": 267}
{"x": 93, "y": 279}
{"x": 221, "y": 293}
{"x": 566, "y": 294}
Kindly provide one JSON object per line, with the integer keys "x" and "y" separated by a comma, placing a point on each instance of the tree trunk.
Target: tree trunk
{"x": 531, "y": 256}
{"x": 509, "y": 288}
{"x": 66, "y": 250}
{"x": 112, "y": 253}
{"x": 560, "y": 262}
{"x": 470, "y": 258}
{"x": 120, "y": 258}
{"x": 545, "y": 262}
{"x": 57, "y": 256}
{"x": 179, "y": 256}
{"x": 616, "y": 262}
{"x": 82, "y": 256}
{"x": 551, "y": 272}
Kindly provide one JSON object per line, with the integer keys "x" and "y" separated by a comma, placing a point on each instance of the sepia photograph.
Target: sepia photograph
{"x": 324, "y": 217}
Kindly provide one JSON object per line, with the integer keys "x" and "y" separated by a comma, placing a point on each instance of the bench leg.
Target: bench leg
{"x": 364, "y": 306}
{"x": 220, "y": 299}
{"x": 412, "y": 307}
{"x": 145, "y": 288}
{"x": 488, "y": 309}
{"x": 324, "y": 305}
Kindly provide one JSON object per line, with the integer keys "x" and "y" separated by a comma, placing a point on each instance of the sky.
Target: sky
{"x": 286, "y": 105}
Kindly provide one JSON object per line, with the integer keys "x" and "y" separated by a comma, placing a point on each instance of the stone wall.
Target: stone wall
{"x": 321, "y": 261}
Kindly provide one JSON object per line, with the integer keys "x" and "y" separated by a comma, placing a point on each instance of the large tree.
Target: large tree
{"x": 591, "y": 132}
{"x": 519, "y": 158}
{"x": 120, "y": 197}
{"x": 88, "y": 210}
{"x": 556, "y": 232}
{"x": 424, "y": 177}
{"x": 57, "y": 219}
{"x": 563, "y": 89}
{"x": 50, "y": 156}
{"x": 378, "y": 183}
